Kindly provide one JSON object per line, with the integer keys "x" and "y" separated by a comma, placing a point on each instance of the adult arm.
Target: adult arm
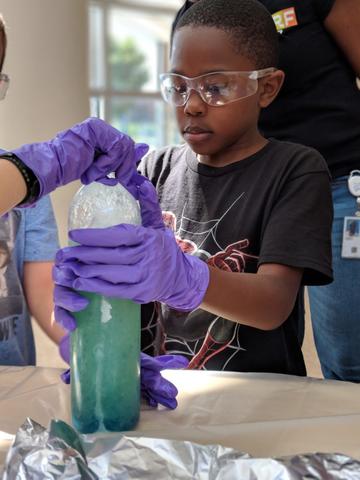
{"x": 343, "y": 23}
{"x": 88, "y": 151}
{"x": 38, "y": 289}
{"x": 12, "y": 186}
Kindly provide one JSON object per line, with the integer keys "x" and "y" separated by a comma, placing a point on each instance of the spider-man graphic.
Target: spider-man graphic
{"x": 200, "y": 334}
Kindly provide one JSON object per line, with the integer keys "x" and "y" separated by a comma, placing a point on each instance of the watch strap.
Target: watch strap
{"x": 31, "y": 181}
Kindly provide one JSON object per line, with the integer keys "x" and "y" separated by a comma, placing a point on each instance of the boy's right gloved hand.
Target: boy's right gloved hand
{"x": 88, "y": 151}
{"x": 155, "y": 389}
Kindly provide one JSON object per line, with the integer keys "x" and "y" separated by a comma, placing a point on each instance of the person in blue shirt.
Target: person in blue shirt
{"x": 26, "y": 287}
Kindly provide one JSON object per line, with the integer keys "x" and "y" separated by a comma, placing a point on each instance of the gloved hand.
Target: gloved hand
{"x": 133, "y": 262}
{"x": 127, "y": 271}
{"x": 88, "y": 151}
{"x": 65, "y": 299}
{"x": 154, "y": 388}
{"x": 141, "y": 263}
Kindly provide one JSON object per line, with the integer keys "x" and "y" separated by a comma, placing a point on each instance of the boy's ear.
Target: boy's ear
{"x": 269, "y": 87}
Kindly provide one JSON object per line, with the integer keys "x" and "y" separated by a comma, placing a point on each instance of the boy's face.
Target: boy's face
{"x": 218, "y": 133}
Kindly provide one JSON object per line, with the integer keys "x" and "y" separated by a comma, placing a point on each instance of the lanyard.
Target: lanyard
{"x": 354, "y": 188}
{"x": 350, "y": 248}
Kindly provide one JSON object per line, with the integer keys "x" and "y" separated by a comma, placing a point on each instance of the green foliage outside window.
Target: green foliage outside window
{"x": 128, "y": 67}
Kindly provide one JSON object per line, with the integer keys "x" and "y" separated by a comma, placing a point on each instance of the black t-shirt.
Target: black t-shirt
{"x": 319, "y": 103}
{"x": 272, "y": 207}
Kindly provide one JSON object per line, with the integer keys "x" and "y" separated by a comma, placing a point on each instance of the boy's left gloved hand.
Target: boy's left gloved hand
{"x": 154, "y": 388}
{"x": 139, "y": 263}
{"x": 132, "y": 262}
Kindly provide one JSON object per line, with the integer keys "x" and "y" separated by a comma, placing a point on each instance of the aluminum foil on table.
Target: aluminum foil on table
{"x": 61, "y": 453}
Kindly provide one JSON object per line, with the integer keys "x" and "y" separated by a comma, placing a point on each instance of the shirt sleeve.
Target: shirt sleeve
{"x": 298, "y": 232}
{"x": 152, "y": 163}
{"x": 41, "y": 235}
{"x": 323, "y": 7}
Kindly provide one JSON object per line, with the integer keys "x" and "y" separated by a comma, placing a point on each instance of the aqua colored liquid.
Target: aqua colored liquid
{"x": 105, "y": 368}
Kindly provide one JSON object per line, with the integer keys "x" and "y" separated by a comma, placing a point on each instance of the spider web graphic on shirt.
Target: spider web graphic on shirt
{"x": 211, "y": 231}
{"x": 221, "y": 334}
{"x": 148, "y": 332}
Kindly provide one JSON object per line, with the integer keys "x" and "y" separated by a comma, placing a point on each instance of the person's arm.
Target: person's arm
{"x": 12, "y": 186}
{"x": 88, "y": 151}
{"x": 38, "y": 289}
{"x": 145, "y": 263}
{"x": 41, "y": 244}
{"x": 343, "y": 23}
{"x": 263, "y": 300}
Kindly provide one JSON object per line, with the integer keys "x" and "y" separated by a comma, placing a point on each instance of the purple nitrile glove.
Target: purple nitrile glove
{"x": 88, "y": 151}
{"x": 133, "y": 262}
{"x": 155, "y": 389}
{"x": 140, "y": 263}
{"x": 65, "y": 299}
{"x": 127, "y": 261}
{"x": 64, "y": 350}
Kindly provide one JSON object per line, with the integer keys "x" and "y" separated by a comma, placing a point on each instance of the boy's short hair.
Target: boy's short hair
{"x": 249, "y": 24}
{"x": 3, "y": 41}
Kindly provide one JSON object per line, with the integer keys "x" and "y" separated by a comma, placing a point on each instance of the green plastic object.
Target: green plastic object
{"x": 105, "y": 347}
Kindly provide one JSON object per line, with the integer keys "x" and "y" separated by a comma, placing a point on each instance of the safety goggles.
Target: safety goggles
{"x": 215, "y": 89}
{"x": 4, "y": 85}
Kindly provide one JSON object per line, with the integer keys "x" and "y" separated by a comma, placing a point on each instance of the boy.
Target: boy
{"x": 251, "y": 216}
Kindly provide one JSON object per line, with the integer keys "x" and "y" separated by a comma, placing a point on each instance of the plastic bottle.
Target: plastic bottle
{"x": 105, "y": 347}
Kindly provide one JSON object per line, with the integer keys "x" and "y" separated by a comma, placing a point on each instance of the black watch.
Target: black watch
{"x": 31, "y": 181}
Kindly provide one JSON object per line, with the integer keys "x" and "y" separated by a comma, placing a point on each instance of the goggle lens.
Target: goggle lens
{"x": 215, "y": 89}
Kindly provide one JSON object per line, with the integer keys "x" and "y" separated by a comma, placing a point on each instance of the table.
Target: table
{"x": 265, "y": 415}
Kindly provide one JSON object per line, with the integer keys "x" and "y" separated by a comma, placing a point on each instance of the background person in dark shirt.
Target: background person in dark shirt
{"x": 319, "y": 106}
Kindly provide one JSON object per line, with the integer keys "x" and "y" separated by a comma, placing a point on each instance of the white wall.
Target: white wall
{"x": 47, "y": 63}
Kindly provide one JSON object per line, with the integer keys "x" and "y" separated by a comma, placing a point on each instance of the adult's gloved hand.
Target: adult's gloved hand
{"x": 88, "y": 151}
{"x": 155, "y": 389}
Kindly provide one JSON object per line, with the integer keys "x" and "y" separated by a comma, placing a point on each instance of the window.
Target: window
{"x": 128, "y": 49}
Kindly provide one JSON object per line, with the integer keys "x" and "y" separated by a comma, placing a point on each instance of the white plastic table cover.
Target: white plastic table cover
{"x": 265, "y": 415}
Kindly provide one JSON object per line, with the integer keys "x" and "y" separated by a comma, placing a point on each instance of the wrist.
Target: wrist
{"x": 30, "y": 179}
{"x": 198, "y": 277}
